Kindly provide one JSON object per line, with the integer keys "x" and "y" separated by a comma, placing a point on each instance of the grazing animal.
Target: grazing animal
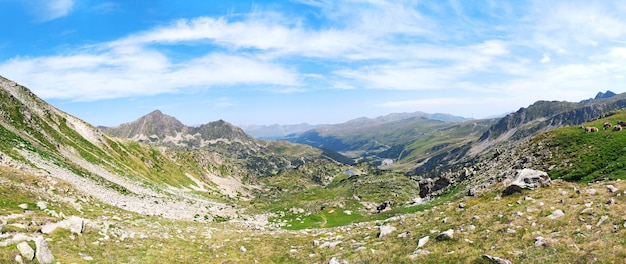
{"x": 621, "y": 123}
{"x": 591, "y": 129}
{"x": 617, "y": 128}
{"x": 607, "y": 125}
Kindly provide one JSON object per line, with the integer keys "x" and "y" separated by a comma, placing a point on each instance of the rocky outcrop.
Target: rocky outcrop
{"x": 428, "y": 186}
{"x": 527, "y": 179}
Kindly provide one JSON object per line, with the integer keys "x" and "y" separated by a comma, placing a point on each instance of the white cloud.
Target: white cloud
{"x": 392, "y": 45}
{"x": 114, "y": 74}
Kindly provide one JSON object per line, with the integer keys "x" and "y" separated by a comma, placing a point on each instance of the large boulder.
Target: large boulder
{"x": 26, "y": 251}
{"x": 527, "y": 179}
{"x": 43, "y": 253}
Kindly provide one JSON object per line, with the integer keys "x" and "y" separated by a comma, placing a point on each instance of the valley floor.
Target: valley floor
{"x": 523, "y": 228}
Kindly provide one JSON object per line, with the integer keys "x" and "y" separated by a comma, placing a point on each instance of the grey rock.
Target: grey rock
{"x": 556, "y": 214}
{"x": 386, "y": 230}
{"x": 43, "y": 253}
{"x": 422, "y": 241}
{"x": 23, "y": 206}
{"x": 19, "y": 259}
{"x": 74, "y": 223}
{"x": 527, "y": 179}
{"x": 612, "y": 188}
{"x": 544, "y": 242}
{"x": 26, "y": 251}
{"x": 446, "y": 235}
{"x": 591, "y": 191}
{"x": 42, "y": 205}
{"x": 496, "y": 260}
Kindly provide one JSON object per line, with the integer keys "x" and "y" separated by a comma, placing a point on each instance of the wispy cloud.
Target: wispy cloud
{"x": 46, "y": 10}
{"x": 539, "y": 50}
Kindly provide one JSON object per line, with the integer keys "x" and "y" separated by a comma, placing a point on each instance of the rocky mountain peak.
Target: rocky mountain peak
{"x": 154, "y": 124}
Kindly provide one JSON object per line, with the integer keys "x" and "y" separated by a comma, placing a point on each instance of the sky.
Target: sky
{"x": 316, "y": 61}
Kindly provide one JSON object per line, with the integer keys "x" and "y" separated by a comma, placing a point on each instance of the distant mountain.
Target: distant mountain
{"x": 388, "y": 137}
{"x": 546, "y": 115}
{"x": 262, "y": 158}
{"x": 162, "y": 129}
{"x": 600, "y": 95}
{"x": 276, "y": 131}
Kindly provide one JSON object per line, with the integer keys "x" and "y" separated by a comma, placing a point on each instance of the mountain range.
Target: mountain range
{"x": 155, "y": 190}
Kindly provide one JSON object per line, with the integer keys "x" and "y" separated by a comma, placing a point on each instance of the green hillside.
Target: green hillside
{"x": 575, "y": 155}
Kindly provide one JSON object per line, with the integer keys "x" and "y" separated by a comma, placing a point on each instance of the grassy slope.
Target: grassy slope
{"x": 488, "y": 224}
{"x": 579, "y": 156}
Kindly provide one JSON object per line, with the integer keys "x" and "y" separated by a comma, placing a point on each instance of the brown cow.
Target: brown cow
{"x": 591, "y": 129}
{"x": 607, "y": 125}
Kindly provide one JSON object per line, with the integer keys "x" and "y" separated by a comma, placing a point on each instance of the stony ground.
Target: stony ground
{"x": 565, "y": 222}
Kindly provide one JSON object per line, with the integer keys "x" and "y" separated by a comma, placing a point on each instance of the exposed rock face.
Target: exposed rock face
{"x": 428, "y": 186}
{"x": 527, "y": 179}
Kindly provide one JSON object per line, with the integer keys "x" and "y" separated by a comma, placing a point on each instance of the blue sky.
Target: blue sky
{"x": 315, "y": 61}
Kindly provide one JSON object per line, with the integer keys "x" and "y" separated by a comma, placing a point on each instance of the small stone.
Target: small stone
{"x": 42, "y": 205}
{"x": 446, "y": 235}
{"x": 587, "y": 211}
{"x": 243, "y": 249}
{"x": 471, "y": 192}
{"x": 461, "y": 205}
{"x": 422, "y": 241}
{"x": 496, "y": 260}
{"x": 404, "y": 235}
{"x": 18, "y": 259}
{"x": 612, "y": 188}
{"x": 544, "y": 242}
{"x": 602, "y": 219}
{"x": 23, "y": 206}
{"x": 591, "y": 191}
{"x": 610, "y": 201}
{"x": 556, "y": 214}
{"x": 386, "y": 230}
